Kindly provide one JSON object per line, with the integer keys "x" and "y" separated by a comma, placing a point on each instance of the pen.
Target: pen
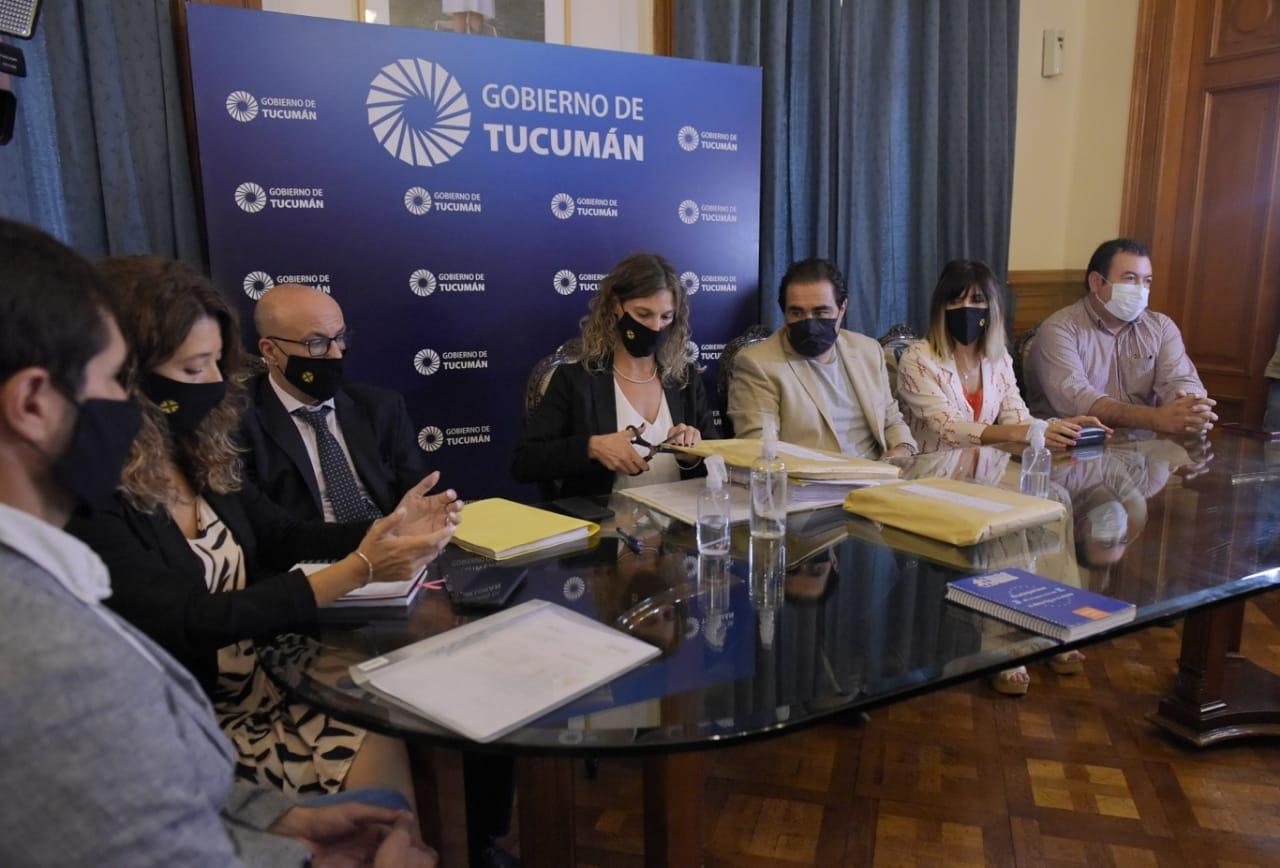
{"x": 632, "y": 542}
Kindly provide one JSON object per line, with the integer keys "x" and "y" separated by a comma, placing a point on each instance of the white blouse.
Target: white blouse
{"x": 663, "y": 467}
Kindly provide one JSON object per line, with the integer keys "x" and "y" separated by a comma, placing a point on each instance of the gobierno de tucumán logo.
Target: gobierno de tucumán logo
{"x": 418, "y": 112}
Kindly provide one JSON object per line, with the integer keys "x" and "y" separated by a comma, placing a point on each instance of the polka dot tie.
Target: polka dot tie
{"x": 339, "y": 482}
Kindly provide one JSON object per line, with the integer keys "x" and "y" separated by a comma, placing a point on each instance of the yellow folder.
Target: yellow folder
{"x": 802, "y": 462}
{"x": 501, "y": 529}
{"x": 960, "y": 513}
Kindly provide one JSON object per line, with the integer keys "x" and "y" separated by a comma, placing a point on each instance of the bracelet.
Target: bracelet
{"x": 368, "y": 563}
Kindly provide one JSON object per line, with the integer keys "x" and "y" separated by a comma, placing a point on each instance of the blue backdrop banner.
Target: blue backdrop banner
{"x": 462, "y": 197}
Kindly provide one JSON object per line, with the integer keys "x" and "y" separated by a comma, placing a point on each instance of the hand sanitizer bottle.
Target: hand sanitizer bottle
{"x": 713, "y": 510}
{"x": 1035, "y": 462}
{"x": 769, "y": 487}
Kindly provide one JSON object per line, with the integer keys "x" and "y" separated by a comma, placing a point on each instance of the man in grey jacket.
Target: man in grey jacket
{"x": 109, "y": 751}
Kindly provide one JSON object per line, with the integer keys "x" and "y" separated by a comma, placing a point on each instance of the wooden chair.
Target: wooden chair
{"x": 895, "y": 342}
{"x": 567, "y": 353}
{"x": 1018, "y": 353}
{"x": 753, "y": 335}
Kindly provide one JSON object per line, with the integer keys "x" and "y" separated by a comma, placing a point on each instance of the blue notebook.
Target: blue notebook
{"x": 1040, "y": 605}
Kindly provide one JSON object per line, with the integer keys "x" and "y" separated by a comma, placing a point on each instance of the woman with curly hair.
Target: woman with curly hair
{"x": 199, "y": 559}
{"x": 633, "y": 382}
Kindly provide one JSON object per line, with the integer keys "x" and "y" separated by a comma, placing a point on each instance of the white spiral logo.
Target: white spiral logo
{"x": 422, "y": 282}
{"x": 250, "y": 197}
{"x": 256, "y": 284}
{"x": 565, "y": 281}
{"x": 417, "y": 201}
{"x": 691, "y": 352}
{"x": 574, "y": 588}
{"x": 418, "y": 112}
{"x": 426, "y": 362}
{"x": 242, "y": 106}
{"x": 690, "y": 281}
{"x": 562, "y": 205}
{"x": 689, "y": 211}
{"x": 430, "y": 439}
{"x": 688, "y": 138}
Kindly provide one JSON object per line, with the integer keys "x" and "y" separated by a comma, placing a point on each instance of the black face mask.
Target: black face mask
{"x": 318, "y": 378}
{"x": 89, "y": 469}
{"x": 184, "y": 405}
{"x": 967, "y": 324}
{"x": 640, "y": 340}
{"x": 812, "y": 337}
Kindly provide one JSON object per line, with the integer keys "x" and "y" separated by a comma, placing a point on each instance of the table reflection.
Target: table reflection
{"x": 843, "y": 613}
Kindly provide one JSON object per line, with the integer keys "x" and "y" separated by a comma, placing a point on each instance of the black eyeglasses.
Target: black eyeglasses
{"x": 317, "y": 347}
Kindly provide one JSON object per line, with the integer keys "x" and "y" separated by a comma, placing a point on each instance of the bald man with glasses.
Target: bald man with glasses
{"x": 326, "y": 448}
{"x": 321, "y": 446}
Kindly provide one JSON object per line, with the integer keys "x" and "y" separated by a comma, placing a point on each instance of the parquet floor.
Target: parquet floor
{"x": 1072, "y": 774}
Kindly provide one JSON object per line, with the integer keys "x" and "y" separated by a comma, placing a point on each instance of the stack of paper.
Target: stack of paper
{"x": 498, "y": 673}
{"x": 803, "y": 464}
{"x": 501, "y": 529}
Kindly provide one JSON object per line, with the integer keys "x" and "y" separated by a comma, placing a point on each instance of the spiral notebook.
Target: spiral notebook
{"x": 1041, "y": 605}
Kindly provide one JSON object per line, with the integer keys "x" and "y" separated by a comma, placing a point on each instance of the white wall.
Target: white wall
{"x": 1068, "y": 170}
{"x": 620, "y": 25}
{"x": 344, "y": 9}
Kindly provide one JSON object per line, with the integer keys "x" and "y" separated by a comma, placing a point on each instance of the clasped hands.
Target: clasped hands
{"x": 351, "y": 835}
{"x": 1188, "y": 413}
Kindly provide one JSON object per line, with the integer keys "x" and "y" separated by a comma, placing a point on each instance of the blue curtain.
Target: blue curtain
{"x": 888, "y": 137}
{"x": 99, "y": 156}
{"x": 795, "y": 41}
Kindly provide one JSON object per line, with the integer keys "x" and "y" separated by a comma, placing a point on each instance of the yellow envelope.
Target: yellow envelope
{"x": 801, "y": 461}
{"x": 960, "y": 513}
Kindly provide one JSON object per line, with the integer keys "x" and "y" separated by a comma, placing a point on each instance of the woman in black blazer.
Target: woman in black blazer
{"x": 199, "y": 560}
{"x": 635, "y": 372}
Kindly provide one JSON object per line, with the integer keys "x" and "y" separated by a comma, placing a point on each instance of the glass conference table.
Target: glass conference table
{"x": 847, "y": 616}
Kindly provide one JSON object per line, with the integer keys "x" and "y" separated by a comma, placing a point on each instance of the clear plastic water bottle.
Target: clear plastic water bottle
{"x": 769, "y": 486}
{"x": 767, "y": 570}
{"x": 1035, "y": 462}
{"x": 713, "y": 510}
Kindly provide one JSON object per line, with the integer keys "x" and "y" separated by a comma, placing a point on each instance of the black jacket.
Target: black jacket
{"x": 158, "y": 583}
{"x": 579, "y": 405}
{"x": 375, "y": 424}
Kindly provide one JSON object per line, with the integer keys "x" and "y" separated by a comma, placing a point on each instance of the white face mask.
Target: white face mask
{"x": 1128, "y": 301}
{"x": 1108, "y": 522}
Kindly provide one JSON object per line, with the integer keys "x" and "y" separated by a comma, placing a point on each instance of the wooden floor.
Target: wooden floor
{"x": 1071, "y": 774}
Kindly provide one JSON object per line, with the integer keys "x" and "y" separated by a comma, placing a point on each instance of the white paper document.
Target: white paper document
{"x": 492, "y": 676}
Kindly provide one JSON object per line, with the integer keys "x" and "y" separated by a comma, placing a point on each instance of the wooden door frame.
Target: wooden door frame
{"x": 1157, "y": 110}
{"x": 1162, "y": 123}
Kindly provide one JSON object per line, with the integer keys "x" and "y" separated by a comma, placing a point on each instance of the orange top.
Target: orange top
{"x": 975, "y": 401}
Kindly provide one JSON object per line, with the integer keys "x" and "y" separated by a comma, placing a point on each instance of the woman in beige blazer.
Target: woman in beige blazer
{"x": 957, "y": 386}
{"x": 957, "y": 389}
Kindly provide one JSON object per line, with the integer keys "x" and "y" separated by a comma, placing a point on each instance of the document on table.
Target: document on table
{"x": 494, "y": 675}
{"x": 680, "y": 499}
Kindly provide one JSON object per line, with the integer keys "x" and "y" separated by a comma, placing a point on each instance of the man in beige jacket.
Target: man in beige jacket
{"x": 827, "y": 387}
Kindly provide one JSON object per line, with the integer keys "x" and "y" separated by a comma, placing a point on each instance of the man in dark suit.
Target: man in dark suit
{"x": 326, "y": 448}
{"x": 321, "y": 446}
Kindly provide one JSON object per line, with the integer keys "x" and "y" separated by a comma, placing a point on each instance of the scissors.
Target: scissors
{"x": 637, "y": 439}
